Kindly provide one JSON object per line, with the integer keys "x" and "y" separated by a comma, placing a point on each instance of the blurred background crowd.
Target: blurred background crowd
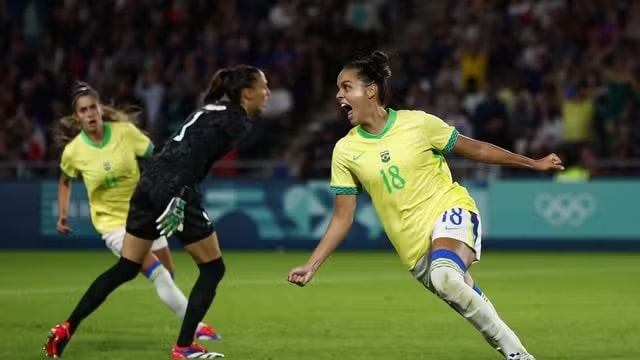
{"x": 530, "y": 76}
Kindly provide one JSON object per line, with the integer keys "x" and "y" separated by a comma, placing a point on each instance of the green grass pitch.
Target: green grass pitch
{"x": 360, "y": 306}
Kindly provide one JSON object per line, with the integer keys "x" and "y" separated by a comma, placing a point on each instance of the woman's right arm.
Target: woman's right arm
{"x": 341, "y": 221}
{"x": 64, "y": 198}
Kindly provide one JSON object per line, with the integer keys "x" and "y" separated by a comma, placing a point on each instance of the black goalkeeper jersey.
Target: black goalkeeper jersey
{"x": 204, "y": 137}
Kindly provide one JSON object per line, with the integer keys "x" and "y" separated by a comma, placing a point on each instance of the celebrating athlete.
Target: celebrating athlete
{"x": 397, "y": 157}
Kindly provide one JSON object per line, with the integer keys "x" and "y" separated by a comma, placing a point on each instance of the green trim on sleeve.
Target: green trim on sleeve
{"x": 67, "y": 175}
{"x": 344, "y": 190}
{"x": 452, "y": 142}
{"x": 149, "y": 151}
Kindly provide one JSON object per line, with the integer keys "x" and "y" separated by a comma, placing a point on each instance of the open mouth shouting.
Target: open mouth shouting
{"x": 348, "y": 109}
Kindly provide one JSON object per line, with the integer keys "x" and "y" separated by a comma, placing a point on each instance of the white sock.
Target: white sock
{"x": 448, "y": 281}
{"x": 168, "y": 292}
{"x": 486, "y": 299}
{"x": 167, "y": 289}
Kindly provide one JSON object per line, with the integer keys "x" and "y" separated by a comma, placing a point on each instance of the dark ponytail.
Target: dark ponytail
{"x": 373, "y": 68}
{"x": 229, "y": 82}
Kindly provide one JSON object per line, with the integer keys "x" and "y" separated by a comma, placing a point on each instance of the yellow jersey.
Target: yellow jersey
{"x": 109, "y": 171}
{"x": 573, "y": 174}
{"x": 404, "y": 171}
{"x": 578, "y": 119}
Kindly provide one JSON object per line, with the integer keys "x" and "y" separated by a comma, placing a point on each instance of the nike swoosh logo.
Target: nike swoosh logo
{"x": 356, "y": 157}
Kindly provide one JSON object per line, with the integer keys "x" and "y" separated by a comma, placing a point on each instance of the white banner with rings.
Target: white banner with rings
{"x": 571, "y": 209}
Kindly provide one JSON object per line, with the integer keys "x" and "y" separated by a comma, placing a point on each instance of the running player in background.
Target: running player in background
{"x": 432, "y": 222}
{"x": 166, "y": 200}
{"x": 102, "y": 146}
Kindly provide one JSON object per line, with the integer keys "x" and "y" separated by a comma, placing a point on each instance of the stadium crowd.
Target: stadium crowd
{"x": 530, "y": 76}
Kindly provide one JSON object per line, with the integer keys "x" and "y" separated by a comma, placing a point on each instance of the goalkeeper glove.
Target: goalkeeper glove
{"x": 172, "y": 218}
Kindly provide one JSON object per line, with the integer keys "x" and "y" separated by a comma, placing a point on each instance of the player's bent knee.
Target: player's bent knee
{"x": 126, "y": 269}
{"x": 446, "y": 274}
{"x": 447, "y": 283}
{"x": 213, "y": 270}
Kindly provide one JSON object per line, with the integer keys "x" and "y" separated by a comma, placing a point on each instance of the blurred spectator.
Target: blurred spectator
{"x": 490, "y": 120}
{"x": 575, "y": 171}
{"x": 474, "y": 59}
{"x": 473, "y": 96}
{"x": 577, "y": 112}
{"x": 151, "y": 91}
{"x": 284, "y": 14}
{"x": 364, "y": 15}
{"x": 280, "y": 102}
{"x": 457, "y": 117}
{"x": 419, "y": 96}
{"x": 527, "y": 75}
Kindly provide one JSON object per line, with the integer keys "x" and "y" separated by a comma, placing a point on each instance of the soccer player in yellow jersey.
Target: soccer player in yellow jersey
{"x": 398, "y": 158}
{"x": 103, "y": 147}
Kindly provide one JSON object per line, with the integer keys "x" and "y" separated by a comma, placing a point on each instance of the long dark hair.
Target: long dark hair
{"x": 371, "y": 69}
{"x": 229, "y": 82}
{"x": 69, "y": 126}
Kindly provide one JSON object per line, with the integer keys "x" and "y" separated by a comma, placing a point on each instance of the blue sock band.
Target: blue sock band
{"x": 173, "y": 275}
{"x": 450, "y": 255}
{"x": 152, "y": 268}
{"x": 477, "y": 289}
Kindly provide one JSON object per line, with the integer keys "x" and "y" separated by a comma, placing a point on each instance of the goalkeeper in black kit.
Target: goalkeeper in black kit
{"x": 166, "y": 200}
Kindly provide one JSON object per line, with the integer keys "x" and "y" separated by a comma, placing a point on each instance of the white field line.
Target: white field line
{"x": 347, "y": 279}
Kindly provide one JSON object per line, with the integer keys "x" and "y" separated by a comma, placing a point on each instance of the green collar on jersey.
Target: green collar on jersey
{"x": 105, "y": 138}
{"x": 391, "y": 119}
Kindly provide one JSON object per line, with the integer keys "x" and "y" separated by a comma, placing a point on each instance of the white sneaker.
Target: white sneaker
{"x": 519, "y": 356}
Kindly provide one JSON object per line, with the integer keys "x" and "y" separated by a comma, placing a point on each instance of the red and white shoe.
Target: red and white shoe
{"x": 206, "y": 332}
{"x": 193, "y": 351}
{"x": 58, "y": 338}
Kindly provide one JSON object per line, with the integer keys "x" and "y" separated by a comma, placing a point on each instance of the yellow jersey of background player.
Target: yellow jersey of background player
{"x": 109, "y": 170}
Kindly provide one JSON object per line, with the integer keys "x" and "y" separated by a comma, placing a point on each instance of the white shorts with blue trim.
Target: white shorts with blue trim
{"x": 462, "y": 225}
{"x": 455, "y": 223}
{"x": 114, "y": 240}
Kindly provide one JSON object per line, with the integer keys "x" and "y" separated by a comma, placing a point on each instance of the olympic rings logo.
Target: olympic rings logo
{"x": 571, "y": 209}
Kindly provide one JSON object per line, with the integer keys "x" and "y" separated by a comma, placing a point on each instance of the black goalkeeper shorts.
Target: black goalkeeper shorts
{"x": 149, "y": 201}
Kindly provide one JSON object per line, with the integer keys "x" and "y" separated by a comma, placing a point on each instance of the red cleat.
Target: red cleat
{"x": 59, "y": 336}
{"x": 193, "y": 351}
{"x": 206, "y": 332}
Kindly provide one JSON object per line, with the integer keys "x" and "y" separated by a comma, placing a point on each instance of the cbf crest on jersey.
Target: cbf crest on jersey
{"x": 385, "y": 156}
{"x": 106, "y": 165}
